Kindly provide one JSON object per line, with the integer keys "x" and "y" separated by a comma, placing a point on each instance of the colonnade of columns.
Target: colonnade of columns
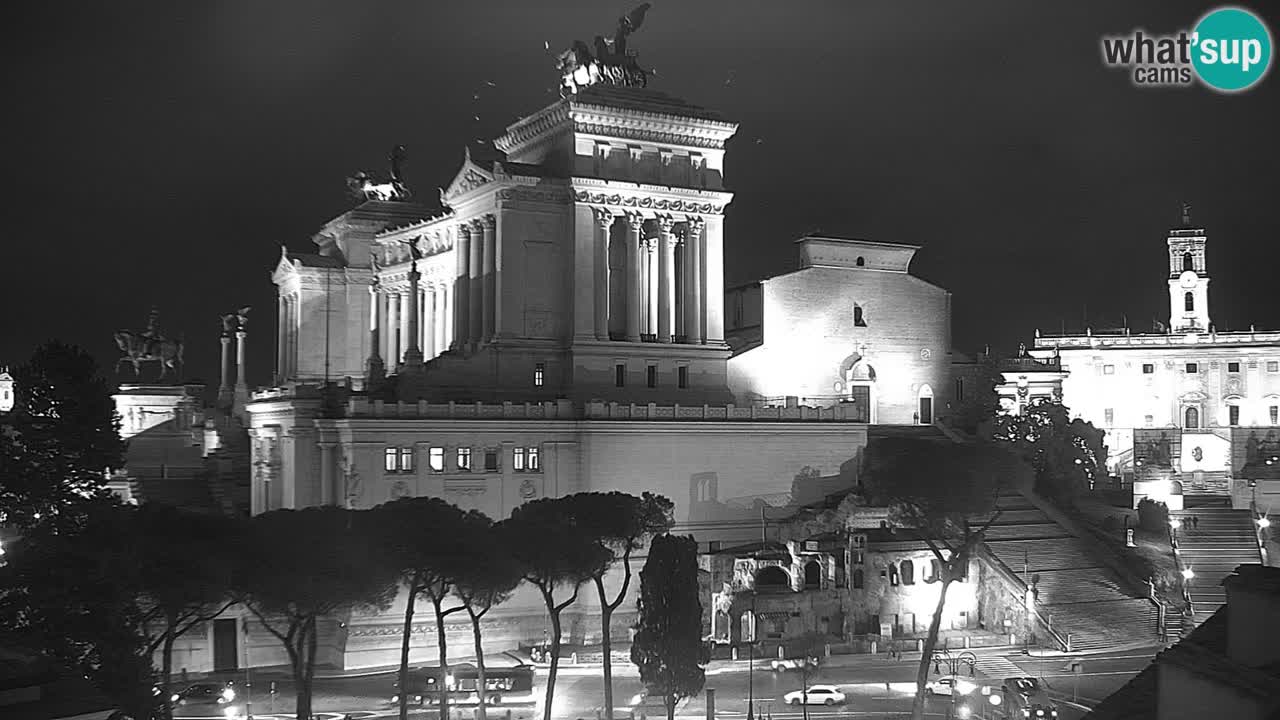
{"x": 289, "y": 323}
{"x": 665, "y": 276}
{"x": 433, "y": 328}
{"x": 475, "y": 312}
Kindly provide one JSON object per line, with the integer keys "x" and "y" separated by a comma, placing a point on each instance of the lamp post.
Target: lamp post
{"x": 751, "y": 661}
{"x": 1174, "y": 524}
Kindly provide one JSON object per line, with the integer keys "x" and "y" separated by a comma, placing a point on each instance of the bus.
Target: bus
{"x": 511, "y": 685}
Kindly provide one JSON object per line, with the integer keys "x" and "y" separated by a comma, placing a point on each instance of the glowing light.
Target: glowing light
{"x": 1175, "y": 523}
{"x": 1263, "y": 523}
{"x": 231, "y": 713}
{"x": 1188, "y": 573}
{"x": 994, "y": 699}
{"x": 963, "y": 711}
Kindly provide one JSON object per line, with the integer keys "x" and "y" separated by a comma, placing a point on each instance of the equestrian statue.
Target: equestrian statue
{"x": 149, "y": 346}
{"x": 610, "y": 63}
{"x": 363, "y": 186}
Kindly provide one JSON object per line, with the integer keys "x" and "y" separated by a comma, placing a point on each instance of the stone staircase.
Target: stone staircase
{"x": 1225, "y": 540}
{"x": 1078, "y": 594}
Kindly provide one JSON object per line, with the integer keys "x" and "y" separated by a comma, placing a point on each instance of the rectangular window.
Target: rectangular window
{"x": 517, "y": 459}
{"x": 620, "y": 375}
{"x": 464, "y": 458}
{"x": 651, "y": 376}
{"x": 389, "y": 459}
{"x": 533, "y": 456}
{"x": 1233, "y": 414}
{"x": 406, "y": 459}
{"x": 1108, "y": 369}
{"x": 959, "y": 389}
{"x": 1110, "y": 415}
{"x": 1273, "y": 366}
{"x": 1233, "y": 367}
{"x": 1192, "y": 368}
{"x": 538, "y": 372}
{"x": 1148, "y": 420}
{"x": 1148, "y": 368}
{"x": 490, "y": 460}
{"x": 435, "y": 458}
{"x": 1274, "y": 412}
{"x": 682, "y": 376}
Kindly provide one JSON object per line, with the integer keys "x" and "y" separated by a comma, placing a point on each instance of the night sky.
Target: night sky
{"x": 160, "y": 153}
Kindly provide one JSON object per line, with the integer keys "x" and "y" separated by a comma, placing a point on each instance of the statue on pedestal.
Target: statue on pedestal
{"x": 610, "y": 64}
{"x": 149, "y": 345}
{"x": 363, "y": 186}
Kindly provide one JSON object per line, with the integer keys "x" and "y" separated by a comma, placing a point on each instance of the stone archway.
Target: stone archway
{"x": 772, "y": 577}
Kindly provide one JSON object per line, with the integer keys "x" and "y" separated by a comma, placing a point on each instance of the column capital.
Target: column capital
{"x": 666, "y": 223}
{"x": 604, "y": 217}
{"x": 635, "y": 221}
{"x": 464, "y": 229}
{"x": 488, "y": 222}
{"x": 696, "y": 223}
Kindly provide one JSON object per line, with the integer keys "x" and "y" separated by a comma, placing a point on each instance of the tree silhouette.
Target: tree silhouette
{"x": 1067, "y": 455}
{"x": 668, "y": 646}
{"x": 492, "y": 575}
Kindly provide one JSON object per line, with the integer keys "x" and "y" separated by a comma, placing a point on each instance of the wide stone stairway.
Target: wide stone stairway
{"x": 1078, "y": 593}
{"x": 1223, "y": 540}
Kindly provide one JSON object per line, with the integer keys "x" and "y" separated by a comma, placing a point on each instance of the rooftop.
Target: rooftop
{"x": 642, "y": 100}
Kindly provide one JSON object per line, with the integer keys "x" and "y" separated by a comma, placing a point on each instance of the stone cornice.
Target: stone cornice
{"x": 656, "y": 198}
{"x": 532, "y": 129}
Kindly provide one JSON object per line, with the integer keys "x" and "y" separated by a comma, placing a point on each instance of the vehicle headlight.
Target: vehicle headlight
{"x": 175, "y": 697}
{"x": 963, "y": 711}
{"x": 1039, "y": 713}
{"x": 228, "y": 695}
{"x": 395, "y": 698}
{"x": 637, "y": 699}
{"x": 231, "y": 713}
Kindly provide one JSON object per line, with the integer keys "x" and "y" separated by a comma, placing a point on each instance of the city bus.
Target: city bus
{"x": 503, "y": 685}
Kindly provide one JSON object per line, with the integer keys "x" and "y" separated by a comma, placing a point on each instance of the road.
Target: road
{"x": 875, "y": 686}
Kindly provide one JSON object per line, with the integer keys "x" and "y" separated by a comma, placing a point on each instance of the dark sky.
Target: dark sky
{"x": 159, "y": 153}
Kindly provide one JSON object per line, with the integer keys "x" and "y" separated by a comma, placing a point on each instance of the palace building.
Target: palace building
{"x": 1187, "y": 409}
{"x": 559, "y": 325}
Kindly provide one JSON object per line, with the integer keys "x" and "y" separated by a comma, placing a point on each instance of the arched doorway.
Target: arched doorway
{"x": 772, "y": 578}
{"x": 1192, "y": 418}
{"x": 924, "y": 415}
{"x": 812, "y": 575}
{"x": 860, "y": 383}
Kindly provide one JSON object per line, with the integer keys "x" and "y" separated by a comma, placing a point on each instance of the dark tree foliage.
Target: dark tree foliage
{"x": 975, "y": 412}
{"x": 1067, "y": 455}
{"x": 61, "y": 436}
{"x": 71, "y": 587}
{"x": 492, "y": 575}
{"x": 185, "y": 565}
{"x": 305, "y": 565}
{"x": 668, "y": 646}
{"x": 556, "y": 553}
{"x": 938, "y": 490}
{"x": 423, "y": 539}
{"x": 622, "y": 524}
{"x": 1153, "y": 515}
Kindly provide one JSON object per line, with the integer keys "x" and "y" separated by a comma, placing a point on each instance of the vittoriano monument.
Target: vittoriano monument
{"x": 610, "y": 64}
{"x": 150, "y": 346}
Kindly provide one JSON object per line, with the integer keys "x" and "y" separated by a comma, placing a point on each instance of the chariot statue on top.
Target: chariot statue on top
{"x": 363, "y": 186}
{"x": 611, "y": 63}
{"x": 149, "y": 345}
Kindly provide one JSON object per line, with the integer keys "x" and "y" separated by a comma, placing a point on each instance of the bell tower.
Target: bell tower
{"x": 1188, "y": 277}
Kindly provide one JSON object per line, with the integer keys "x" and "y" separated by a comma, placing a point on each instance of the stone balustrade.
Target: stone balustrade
{"x": 1153, "y": 340}
{"x": 359, "y": 407}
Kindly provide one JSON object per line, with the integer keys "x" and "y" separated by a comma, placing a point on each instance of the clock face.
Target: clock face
{"x": 1188, "y": 279}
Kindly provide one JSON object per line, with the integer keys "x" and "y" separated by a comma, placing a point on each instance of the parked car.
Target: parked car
{"x": 204, "y": 694}
{"x": 815, "y": 695}
{"x": 950, "y": 685}
{"x": 647, "y": 704}
{"x": 1026, "y": 697}
{"x": 791, "y": 664}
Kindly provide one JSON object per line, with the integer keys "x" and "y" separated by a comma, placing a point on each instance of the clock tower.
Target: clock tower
{"x": 1188, "y": 277}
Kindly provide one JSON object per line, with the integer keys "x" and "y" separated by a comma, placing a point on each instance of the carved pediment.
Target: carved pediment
{"x": 470, "y": 176}
{"x": 284, "y": 268}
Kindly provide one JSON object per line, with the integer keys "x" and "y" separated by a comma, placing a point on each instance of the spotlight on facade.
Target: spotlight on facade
{"x": 1175, "y": 523}
{"x": 1264, "y": 522}
{"x": 1188, "y": 573}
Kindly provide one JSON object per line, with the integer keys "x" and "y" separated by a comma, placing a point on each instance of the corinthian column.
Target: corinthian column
{"x": 413, "y": 353}
{"x": 461, "y": 293}
{"x": 475, "y": 321}
{"x": 666, "y": 279}
{"x": 489, "y": 283}
{"x": 224, "y": 388}
{"x": 393, "y": 326}
{"x": 604, "y": 222}
{"x": 634, "y": 225}
{"x": 651, "y": 286}
{"x": 376, "y": 369}
{"x": 429, "y": 322}
{"x": 693, "y": 257}
{"x": 282, "y": 339}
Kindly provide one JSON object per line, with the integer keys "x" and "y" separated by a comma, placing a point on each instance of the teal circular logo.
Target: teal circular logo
{"x": 1231, "y": 49}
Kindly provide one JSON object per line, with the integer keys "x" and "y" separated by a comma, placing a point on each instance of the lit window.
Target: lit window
{"x": 1189, "y": 302}
{"x": 464, "y": 458}
{"x": 534, "y": 457}
{"x": 682, "y": 376}
{"x": 1110, "y": 415}
{"x": 1148, "y": 420}
{"x": 620, "y": 375}
{"x": 651, "y": 376}
{"x": 1108, "y": 369}
{"x": 538, "y": 371}
{"x": 1274, "y": 412}
{"x": 1192, "y": 368}
{"x": 858, "y": 557}
{"x": 1233, "y": 367}
{"x": 490, "y": 460}
{"x": 1233, "y": 414}
{"x": 517, "y": 459}
{"x": 435, "y": 458}
{"x": 893, "y": 574}
{"x": 1148, "y": 368}
{"x": 390, "y": 459}
{"x": 406, "y": 459}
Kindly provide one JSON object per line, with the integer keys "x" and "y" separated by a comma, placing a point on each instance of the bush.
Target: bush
{"x": 1152, "y": 515}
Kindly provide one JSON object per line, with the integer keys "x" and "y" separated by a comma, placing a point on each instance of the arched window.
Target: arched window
{"x": 908, "y": 572}
{"x": 857, "y": 579}
{"x": 1193, "y": 418}
{"x": 1188, "y": 262}
{"x": 861, "y": 261}
{"x": 813, "y": 574}
{"x": 935, "y": 571}
{"x": 772, "y": 577}
{"x": 1189, "y": 302}
{"x": 858, "y": 319}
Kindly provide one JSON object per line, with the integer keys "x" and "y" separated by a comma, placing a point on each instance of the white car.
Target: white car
{"x": 950, "y": 685}
{"x": 794, "y": 664}
{"x": 816, "y": 695}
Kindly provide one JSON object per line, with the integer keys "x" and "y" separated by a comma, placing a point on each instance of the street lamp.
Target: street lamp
{"x": 1188, "y": 574}
{"x": 1263, "y": 522}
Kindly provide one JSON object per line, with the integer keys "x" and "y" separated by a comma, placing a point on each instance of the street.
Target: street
{"x": 875, "y": 685}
